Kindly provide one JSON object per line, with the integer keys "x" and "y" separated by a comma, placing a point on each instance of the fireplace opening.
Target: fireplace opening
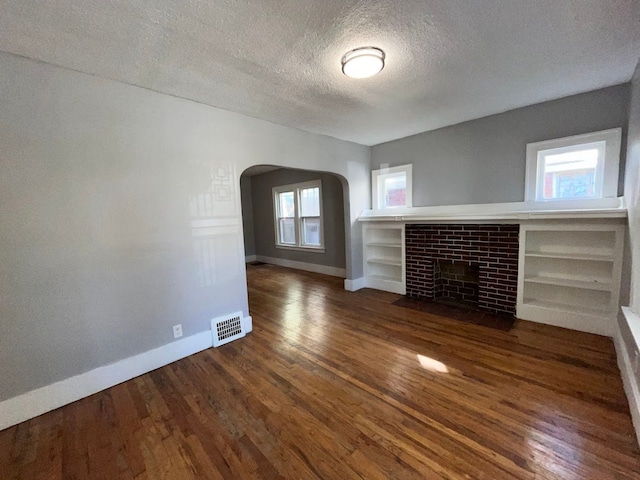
{"x": 456, "y": 283}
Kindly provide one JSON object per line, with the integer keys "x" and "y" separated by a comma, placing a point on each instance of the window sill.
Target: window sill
{"x": 302, "y": 249}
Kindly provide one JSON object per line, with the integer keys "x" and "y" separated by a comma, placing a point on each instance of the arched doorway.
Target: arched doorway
{"x": 260, "y": 224}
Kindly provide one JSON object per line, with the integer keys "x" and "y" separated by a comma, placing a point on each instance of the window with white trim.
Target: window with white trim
{"x": 391, "y": 187}
{"x": 578, "y": 167}
{"x": 298, "y": 216}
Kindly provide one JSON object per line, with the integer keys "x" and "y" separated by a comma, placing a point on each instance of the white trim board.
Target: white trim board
{"x": 250, "y": 258}
{"x": 248, "y": 324}
{"x": 603, "y": 325}
{"x": 514, "y": 211}
{"x": 307, "y": 267}
{"x": 355, "y": 284}
{"x": 42, "y": 400}
{"x": 386, "y": 285}
{"x": 631, "y": 387}
{"x": 607, "y": 142}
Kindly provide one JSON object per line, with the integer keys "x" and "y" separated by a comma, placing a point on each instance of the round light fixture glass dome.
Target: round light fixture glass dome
{"x": 363, "y": 62}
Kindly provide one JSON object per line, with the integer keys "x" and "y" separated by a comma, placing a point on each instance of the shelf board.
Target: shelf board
{"x": 381, "y": 244}
{"x": 387, "y": 278}
{"x": 564, "y": 282}
{"x": 565, "y": 307}
{"x": 385, "y": 261}
{"x": 571, "y": 256}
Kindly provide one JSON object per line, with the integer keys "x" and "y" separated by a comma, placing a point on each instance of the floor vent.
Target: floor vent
{"x": 228, "y": 328}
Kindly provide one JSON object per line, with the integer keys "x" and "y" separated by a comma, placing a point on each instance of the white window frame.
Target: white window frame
{"x": 296, "y": 188}
{"x": 378, "y": 176}
{"x": 606, "y": 170}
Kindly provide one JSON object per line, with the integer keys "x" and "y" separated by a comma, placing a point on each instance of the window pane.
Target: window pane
{"x": 287, "y": 230}
{"x": 298, "y": 220}
{"x": 395, "y": 190}
{"x": 570, "y": 174}
{"x": 286, "y": 204}
{"x": 310, "y": 202}
{"x": 311, "y": 231}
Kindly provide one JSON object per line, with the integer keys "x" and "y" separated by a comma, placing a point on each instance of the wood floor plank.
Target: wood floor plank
{"x": 345, "y": 385}
{"x": 7, "y": 445}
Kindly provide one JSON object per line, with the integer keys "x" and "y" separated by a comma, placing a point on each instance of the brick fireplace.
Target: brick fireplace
{"x": 489, "y": 250}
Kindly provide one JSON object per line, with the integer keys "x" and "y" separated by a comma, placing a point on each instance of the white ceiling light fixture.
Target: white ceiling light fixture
{"x": 363, "y": 62}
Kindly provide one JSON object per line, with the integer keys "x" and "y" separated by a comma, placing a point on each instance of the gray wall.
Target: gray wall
{"x": 247, "y": 216}
{"x": 333, "y": 210}
{"x": 483, "y": 161}
{"x": 120, "y": 216}
{"x": 632, "y": 191}
{"x": 631, "y": 267}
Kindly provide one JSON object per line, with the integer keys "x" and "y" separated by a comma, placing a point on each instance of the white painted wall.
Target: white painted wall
{"x": 120, "y": 216}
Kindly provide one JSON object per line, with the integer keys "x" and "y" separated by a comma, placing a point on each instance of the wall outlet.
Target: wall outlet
{"x": 177, "y": 331}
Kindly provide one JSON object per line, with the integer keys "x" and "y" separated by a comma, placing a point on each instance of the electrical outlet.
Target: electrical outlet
{"x": 177, "y": 331}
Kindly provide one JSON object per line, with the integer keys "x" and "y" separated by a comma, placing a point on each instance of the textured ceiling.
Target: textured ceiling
{"x": 279, "y": 60}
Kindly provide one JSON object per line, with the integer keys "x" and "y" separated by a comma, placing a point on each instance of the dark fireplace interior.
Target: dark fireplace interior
{"x": 456, "y": 283}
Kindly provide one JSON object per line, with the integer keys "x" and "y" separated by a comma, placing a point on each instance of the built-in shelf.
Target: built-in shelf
{"x": 569, "y": 273}
{"x": 563, "y": 307}
{"x": 379, "y": 244}
{"x": 569, "y": 263}
{"x": 386, "y": 261}
{"x": 567, "y": 282}
{"x": 571, "y": 256}
{"x": 387, "y": 278}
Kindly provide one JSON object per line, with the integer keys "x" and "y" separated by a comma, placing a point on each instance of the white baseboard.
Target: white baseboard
{"x": 631, "y": 387}
{"x": 355, "y": 284}
{"x": 43, "y": 400}
{"x": 599, "y": 325}
{"x": 250, "y": 258}
{"x": 307, "y": 267}
{"x": 247, "y": 323}
{"x": 386, "y": 285}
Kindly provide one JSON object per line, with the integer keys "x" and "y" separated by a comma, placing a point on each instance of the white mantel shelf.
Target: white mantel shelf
{"x": 512, "y": 212}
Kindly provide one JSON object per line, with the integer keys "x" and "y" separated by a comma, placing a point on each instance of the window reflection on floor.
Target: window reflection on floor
{"x": 304, "y": 315}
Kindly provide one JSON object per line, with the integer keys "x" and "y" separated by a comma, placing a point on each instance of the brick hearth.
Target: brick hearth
{"x": 494, "y": 248}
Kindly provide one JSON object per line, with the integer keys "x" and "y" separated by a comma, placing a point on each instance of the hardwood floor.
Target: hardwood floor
{"x": 340, "y": 385}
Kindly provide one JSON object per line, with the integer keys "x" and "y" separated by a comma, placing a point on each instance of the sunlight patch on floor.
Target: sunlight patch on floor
{"x": 431, "y": 364}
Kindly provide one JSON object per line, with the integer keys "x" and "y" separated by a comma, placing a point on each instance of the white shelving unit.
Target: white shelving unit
{"x": 569, "y": 273}
{"x": 384, "y": 257}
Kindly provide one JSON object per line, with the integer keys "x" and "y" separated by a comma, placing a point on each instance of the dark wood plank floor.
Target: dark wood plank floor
{"x": 339, "y": 385}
